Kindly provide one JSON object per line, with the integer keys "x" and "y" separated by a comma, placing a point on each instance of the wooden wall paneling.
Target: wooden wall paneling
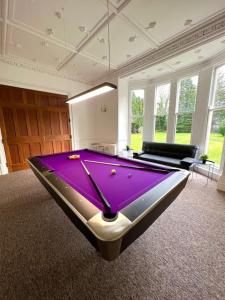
{"x": 30, "y": 97}
{"x": 4, "y": 134}
{"x": 14, "y": 152}
{"x": 22, "y": 122}
{"x": 58, "y": 146}
{"x": 35, "y": 149}
{"x": 55, "y": 123}
{"x": 26, "y": 150}
{"x": 47, "y": 123}
{"x": 34, "y": 123}
{"x": 4, "y": 92}
{"x": 48, "y": 147}
{"x": 8, "y": 118}
{"x": 66, "y": 145}
{"x": 16, "y": 95}
{"x": 65, "y": 123}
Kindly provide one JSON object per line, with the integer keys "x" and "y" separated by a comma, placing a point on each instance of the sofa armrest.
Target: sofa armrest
{"x": 187, "y": 161}
{"x": 137, "y": 154}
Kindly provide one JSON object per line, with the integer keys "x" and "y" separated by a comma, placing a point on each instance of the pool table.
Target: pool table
{"x": 137, "y": 194}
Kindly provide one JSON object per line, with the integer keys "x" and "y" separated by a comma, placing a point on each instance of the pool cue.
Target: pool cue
{"x": 131, "y": 167}
{"x": 104, "y": 201}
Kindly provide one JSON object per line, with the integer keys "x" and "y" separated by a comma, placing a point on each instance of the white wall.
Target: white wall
{"x": 3, "y": 167}
{"x": 90, "y": 124}
{"x": 123, "y": 117}
{"x": 25, "y": 78}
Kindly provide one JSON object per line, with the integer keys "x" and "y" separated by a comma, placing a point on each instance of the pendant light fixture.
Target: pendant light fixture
{"x": 99, "y": 89}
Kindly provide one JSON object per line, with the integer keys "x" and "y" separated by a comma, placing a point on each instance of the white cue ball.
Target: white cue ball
{"x": 113, "y": 172}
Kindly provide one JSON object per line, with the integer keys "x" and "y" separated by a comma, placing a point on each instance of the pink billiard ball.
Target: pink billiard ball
{"x": 113, "y": 172}
{"x": 129, "y": 175}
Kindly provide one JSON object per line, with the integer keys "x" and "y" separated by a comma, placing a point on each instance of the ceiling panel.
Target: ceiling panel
{"x": 199, "y": 54}
{"x": 44, "y": 15}
{"x": 85, "y": 69}
{"x": 187, "y": 59}
{"x": 28, "y": 46}
{"x": 170, "y": 15}
{"x": 121, "y": 49}
{"x": 154, "y": 71}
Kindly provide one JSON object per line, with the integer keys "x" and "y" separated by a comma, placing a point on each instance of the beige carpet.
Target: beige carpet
{"x": 43, "y": 256}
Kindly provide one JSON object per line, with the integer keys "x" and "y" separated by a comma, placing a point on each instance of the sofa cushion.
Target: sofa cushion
{"x": 161, "y": 159}
{"x": 177, "y": 151}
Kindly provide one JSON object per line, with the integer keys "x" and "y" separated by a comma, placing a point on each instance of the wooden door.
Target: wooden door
{"x": 32, "y": 123}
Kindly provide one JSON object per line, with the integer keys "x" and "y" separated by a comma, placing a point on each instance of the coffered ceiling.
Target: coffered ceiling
{"x": 70, "y": 37}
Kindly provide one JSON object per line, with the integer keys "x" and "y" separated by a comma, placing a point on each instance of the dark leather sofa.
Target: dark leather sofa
{"x": 174, "y": 155}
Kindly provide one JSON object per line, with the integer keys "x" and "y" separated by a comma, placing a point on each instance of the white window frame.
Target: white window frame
{"x": 211, "y": 109}
{"x": 130, "y": 110}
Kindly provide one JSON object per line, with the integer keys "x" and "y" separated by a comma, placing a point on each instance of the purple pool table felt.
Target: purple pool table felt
{"x": 119, "y": 189}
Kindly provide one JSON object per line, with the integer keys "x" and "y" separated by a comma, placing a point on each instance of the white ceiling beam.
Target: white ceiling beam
{"x": 97, "y": 60}
{"x": 53, "y": 40}
{"x": 4, "y": 26}
{"x": 41, "y": 35}
{"x": 99, "y": 26}
{"x": 118, "y": 11}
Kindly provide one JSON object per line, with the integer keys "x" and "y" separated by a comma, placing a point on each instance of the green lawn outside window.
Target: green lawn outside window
{"x": 214, "y": 150}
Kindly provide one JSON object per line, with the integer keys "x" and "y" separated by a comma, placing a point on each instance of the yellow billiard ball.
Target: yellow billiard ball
{"x": 113, "y": 172}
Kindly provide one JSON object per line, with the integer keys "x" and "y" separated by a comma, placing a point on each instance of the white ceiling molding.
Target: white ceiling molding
{"x": 196, "y": 36}
{"x": 22, "y": 63}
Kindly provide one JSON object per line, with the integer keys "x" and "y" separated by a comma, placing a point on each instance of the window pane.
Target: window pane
{"x": 161, "y": 112}
{"x": 216, "y": 139}
{"x": 183, "y": 128}
{"x": 187, "y": 94}
{"x": 137, "y": 106}
{"x": 220, "y": 87}
{"x": 162, "y": 99}
{"x": 137, "y": 119}
{"x": 186, "y": 108}
{"x": 160, "y": 128}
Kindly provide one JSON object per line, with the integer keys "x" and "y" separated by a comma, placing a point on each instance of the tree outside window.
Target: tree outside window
{"x": 185, "y": 109}
{"x": 217, "y": 119}
{"x": 136, "y": 119}
{"x": 161, "y": 112}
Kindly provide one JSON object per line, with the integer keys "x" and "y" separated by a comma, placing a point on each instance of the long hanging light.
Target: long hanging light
{"x": 99, "y": 89}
